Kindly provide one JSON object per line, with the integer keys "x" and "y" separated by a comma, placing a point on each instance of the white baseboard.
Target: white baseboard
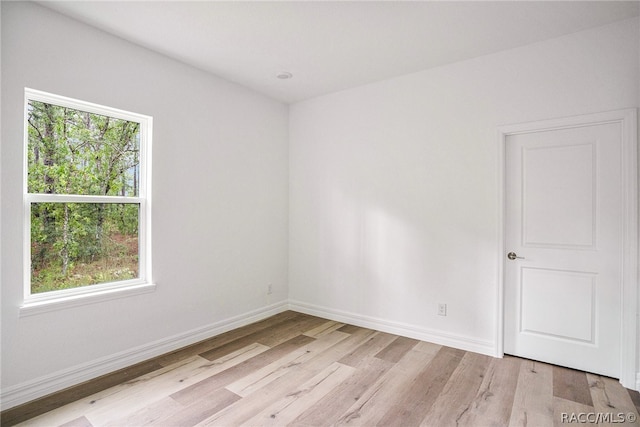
{"x": 39, "y": 387}
{"x": 411, "y": 331}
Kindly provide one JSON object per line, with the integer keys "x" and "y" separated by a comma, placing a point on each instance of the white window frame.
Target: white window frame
{"x": 55, "y": 300}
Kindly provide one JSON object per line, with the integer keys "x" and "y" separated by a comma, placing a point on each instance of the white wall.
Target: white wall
{"x": 387, "y": 194}
{"x": 220, "y": 195}
{"x": 394, "y": 196}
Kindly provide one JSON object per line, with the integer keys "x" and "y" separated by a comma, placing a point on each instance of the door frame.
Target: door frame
{"x": 629, "y": 371}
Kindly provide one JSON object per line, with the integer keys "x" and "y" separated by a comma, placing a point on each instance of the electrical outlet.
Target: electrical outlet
{"x": 442, "y": 309}
{"x": 269, "y": 289}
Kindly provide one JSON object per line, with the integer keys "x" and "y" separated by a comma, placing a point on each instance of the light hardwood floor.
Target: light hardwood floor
{"x": 300, "y": 370}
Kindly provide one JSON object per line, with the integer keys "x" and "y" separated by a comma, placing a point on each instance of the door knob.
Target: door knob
{"x": 512, "y": 256}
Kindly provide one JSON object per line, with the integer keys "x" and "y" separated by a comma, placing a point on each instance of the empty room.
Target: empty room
{"x": 316, "y": 213}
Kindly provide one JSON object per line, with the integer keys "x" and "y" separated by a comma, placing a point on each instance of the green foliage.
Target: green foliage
{"x": 73, "y": 152}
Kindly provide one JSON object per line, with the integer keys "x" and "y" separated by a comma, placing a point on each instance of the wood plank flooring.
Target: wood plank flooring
{"x": 299, "y": 370}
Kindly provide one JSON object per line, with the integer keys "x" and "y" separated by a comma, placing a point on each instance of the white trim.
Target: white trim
{"x": 403, "y": 329}
{"x": 55, "y": 300}
{"x": 89, "y": 107}
{"x": 75, "y": 297}
{"x": 77, "y": 198}
{"x": 629, "y": 317}
{"x": 501, "y": 215}
{"x": 630, "y": 282}
{"x": 47, "y": 384}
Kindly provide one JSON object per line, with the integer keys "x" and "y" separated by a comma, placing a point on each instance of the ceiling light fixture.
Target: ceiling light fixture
{"x": 284, "y": 75}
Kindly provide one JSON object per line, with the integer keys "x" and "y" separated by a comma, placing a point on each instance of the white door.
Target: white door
{"x": 564, "y": 210}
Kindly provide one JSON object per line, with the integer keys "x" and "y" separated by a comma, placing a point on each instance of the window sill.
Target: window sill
{"x": 38, "y": 304}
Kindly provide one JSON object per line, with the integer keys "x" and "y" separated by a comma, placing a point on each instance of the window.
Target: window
{"x": 86, "y": 194}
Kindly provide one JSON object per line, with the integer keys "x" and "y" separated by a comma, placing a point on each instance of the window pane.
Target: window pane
{"x": 75, "y": 152}
{"x": 79, "y": 244}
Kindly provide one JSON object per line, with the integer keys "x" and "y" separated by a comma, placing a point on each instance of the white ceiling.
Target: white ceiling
{"x": 330, "y": 46}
